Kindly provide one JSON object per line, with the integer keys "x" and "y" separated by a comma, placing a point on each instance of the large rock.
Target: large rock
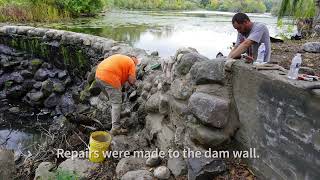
{"x": 16, "y": 92}
{"x": 162, "y": 172}
{"x": 208, "y": 72}
{"x": 129, "y": 164}
{"x": 164, "y": 104}
{"x": 178, "y": 107}
{"x": 44, "y": 171}
{"x": 16, "y": 77}
{"x": 187, "y": 61}
{"x": 153, "y": 102}
{"x": 52, "y": 101}
{"x": 317, "y": 29}
{"x": 185, "y": 50}
{"x": 163, "y": 134}
{"x": 121, "y": 142}
{"x": 81, "y": 167}
{"x": 58, "y": 87}
{"x": 47, "y": 87}
{"x": 213, "y": 89}
{"x": 206, "y": 136}
{"x": 28, "y": 84}
{"x": 137, "y": 175}
{"x": 181, "y": 89}
{"x": 7, "y": 165}
{"x": 205, "y": 168}
{"x": 35, "y": 96}
{"x": 313, "y": 47}
{"x": 210, "y": 110}
{"x": 153, "y": 161}
{"x": 177, "y": 166}
{"x": 41, "y": 75}
{"x": 67, "y": 104}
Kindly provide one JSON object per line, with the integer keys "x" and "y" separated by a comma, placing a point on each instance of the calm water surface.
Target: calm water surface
{"x": 207, "y": 31}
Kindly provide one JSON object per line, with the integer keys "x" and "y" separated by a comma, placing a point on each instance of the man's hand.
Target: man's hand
{"x": 248, "y": 59}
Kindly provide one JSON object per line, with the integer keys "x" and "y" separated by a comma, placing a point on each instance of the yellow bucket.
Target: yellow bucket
{"x": 99, "y": 143}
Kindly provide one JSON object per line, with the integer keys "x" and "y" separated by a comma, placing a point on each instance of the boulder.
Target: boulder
{"x": 52, "y": 101}
{"x": 213, "y": 89}
{"x": 62, "y": 74}
{"x": 187, "y": 61}
{"x": 129, "y": 164}
{"x": 7, "y": 165}
{"x": 28, "y": 84}
{"x": 162, "y": 172}
{"x": 152, "y": 104}
{"x": 41, "y": 74}
{"x": 16, "y": 77}
{"x": 46, "y": 65}
{"x": 210, "y": 110}
{"x": 47, "y": 87}
{"x": 153, "y": 161}
{"x": 177, "y": 166}
{"x": 16, "y": 92}
{"x": 137, "y": 175}
{"x": 26, "y": 74}
{"x": 44, "y": 171}
{"x": 58, "y": 87}
{"x": 208, "y": 72}
{"x": 313, "y": 47}
{"x": 121, "y": 142}
{"x": 164, "y": 104}
{"x": 35, "y": 96}
{"x": 9, "y": 65}
{"x": 181, "y": 89}
{"x": 80, "y": 167}
{"x": 206, "y": 136}
{"x": 37, "y": 85}
{"x": 67, "y": 104}
{"x": 163, "y": 133}
{"x": 36, "y": 64}
{"x": 179, "y": 107}
{"x": 205, "y": 168}
{"x": 317, "y": 29}
{"x": 185, "y": 50}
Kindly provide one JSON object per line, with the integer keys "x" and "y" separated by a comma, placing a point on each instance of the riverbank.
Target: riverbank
{"x": 284, "y": 52}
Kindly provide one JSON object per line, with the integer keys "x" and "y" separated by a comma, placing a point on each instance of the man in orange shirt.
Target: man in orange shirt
{"x": 111, "y": 74}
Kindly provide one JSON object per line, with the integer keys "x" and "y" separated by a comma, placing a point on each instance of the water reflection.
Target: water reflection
{"x": 207, "y": 31}
{"x": 18, "y": 140}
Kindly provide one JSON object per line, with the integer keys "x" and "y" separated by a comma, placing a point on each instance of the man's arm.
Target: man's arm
{"x": 233, "y": 49}
{"x": 236, "y": 52}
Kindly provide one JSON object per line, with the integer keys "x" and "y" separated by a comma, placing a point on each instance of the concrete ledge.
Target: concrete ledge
{"x": 281, "y": 120}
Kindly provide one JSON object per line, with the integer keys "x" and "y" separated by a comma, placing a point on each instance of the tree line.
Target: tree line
{"x": 54, "y": 10}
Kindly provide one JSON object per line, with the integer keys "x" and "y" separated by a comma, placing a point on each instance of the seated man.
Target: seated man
{"x": 250, "y": 36}
{"x": 111, "y": 75}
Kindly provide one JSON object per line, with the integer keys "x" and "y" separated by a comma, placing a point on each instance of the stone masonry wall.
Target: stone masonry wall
{"x": 199, "y": 103}
{"x": 75, "y": 52}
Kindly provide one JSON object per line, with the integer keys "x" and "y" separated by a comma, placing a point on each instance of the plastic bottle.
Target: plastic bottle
{"x": 261, "y": 53}
{"x": 295, "y": 66}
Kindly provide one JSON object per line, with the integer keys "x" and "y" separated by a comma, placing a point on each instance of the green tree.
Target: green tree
{"x": 298, "y": 8}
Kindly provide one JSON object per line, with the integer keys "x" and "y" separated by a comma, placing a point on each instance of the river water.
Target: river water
{"x": 209, "y": 32}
